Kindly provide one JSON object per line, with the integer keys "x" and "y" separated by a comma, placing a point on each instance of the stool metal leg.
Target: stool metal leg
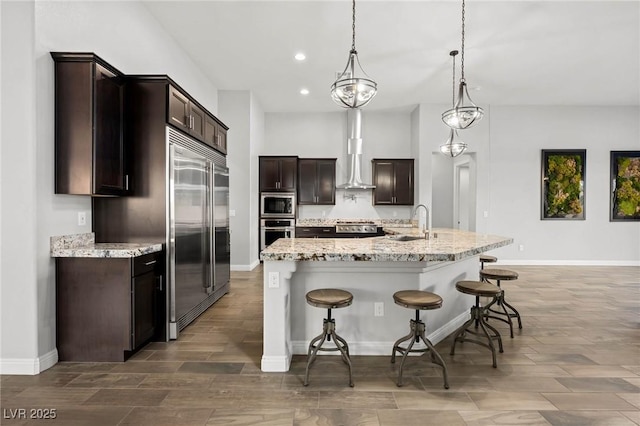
{"x": 478, "y": 313}
{"x": 417, "y": 332}
{"x": 328, "y": 330}
{"x": 502, "y": 303}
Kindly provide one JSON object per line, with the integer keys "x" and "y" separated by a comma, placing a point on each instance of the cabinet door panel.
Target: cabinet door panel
{"x": 404, "y": 182}
{"x": 178, "y": 113}
{"x": 306, "y": 181}
{"x": 383, "y": 179}
{"x": 222, "y": 139}
{"x": 109, "y": 147}
{"x": 144, "y": 308}
{"x": 326, "y": 182}
{"x": 197, "y": 121}
{"x": 269, "y": 174}
{"x": 210, "y": 128}
{"x": 288, "y": 174}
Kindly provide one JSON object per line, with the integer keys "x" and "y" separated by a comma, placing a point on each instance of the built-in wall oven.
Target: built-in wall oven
{"x": 272, "y": 229}
{"x": 278, "y": 205}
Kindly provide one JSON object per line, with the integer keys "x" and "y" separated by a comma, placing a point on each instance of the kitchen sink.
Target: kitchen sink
{"x": 406, "y": 237}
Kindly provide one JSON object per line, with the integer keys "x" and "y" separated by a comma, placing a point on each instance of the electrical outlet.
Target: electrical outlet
{"x": 378, "y": 309}
{"x": 274, "y": 279}
{"x": 486, "y": 213}
{"x": 82, "y": 218}
{"x": 521, "y": 247}
{"x": 395, "y": 213}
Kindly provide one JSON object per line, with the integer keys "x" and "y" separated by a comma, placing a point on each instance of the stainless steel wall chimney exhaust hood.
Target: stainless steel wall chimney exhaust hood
{"x": 354, "y": 152}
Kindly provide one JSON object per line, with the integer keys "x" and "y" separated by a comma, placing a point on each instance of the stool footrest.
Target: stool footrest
{"x": 417, "y": 333}
{"x": 478, "y": 319}
{"x": 328, "y": 331}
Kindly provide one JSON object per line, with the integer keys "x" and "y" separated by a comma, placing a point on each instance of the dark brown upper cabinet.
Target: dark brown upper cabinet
{"x": 394, "y": 182}
{"x": 278, "y": 174}
{"x": 185, "y": 115}
{"x": 215, "y": 134}
{"x": 90, "y": 154}
{"x": 317, "y": 181}
{"x": 188, "y": 116}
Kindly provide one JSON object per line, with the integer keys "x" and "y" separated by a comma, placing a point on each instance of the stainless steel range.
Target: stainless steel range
{"x": 357, "y": 229}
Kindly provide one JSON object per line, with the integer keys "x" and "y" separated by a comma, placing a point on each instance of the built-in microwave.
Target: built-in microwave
{"x": 278, "y": 204}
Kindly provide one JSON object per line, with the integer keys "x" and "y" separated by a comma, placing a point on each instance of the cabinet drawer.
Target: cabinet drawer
{"x": 315, "y": 231}
{"x": 145, "y": 263}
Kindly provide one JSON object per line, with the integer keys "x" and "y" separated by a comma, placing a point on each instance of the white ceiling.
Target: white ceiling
{"x": 516, "y": 52}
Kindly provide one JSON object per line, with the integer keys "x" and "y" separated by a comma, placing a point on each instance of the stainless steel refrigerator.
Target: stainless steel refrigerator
{"x": 198, "y": 251}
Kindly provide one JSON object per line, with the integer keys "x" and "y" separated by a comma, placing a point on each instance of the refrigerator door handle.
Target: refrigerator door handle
{"x": 211, "y": 217}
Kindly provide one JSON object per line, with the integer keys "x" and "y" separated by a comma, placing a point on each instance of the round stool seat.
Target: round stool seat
{"x": 417, "y": 299}
{"x": 498, "y": 274}
{"x": 329, "y": 298}
{"x": 488, "y": 259}
{"x": 478, "y": 288}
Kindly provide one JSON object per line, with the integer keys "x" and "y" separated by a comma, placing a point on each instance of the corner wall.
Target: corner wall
{"x": 518, "y": 134}
{"x": 125, "y": 35}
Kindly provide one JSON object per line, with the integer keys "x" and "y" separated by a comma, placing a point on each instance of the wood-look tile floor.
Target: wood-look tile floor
{"x": 575, "y": 362}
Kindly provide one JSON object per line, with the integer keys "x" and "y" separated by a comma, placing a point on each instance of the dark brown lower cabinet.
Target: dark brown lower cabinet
{"x": 107, "y": 308}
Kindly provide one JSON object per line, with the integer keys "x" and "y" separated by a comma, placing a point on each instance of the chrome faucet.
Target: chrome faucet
{"x": 426, "y": 228}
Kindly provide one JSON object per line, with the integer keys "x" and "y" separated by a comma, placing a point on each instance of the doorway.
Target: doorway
{"x": 464, "y": 193}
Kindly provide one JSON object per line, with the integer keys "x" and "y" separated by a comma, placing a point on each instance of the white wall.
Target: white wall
{"x": 245, "y": 118}
{"x": 128, "y": 37}
{"x": 256, "y": 144}
{"x": 517, "y": 136}
{"x": 18, "y": 229}
{"x": 312, "y": 135}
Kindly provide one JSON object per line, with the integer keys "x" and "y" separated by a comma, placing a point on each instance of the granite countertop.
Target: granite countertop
{"x": 84, "y": 245}
{"x": 450, "y": 245}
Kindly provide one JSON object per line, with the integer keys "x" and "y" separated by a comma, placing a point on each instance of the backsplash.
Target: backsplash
{"x": 399, "y": 223}
{"x": 354, "y": 204}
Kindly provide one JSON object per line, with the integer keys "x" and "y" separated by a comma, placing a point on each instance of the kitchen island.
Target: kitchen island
{"x": 372, "y": 269}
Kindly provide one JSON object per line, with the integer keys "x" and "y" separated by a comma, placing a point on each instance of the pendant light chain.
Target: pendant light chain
{"x": 353, "y": 28}
{"x": 453, "y": 85}
{"x": 462, "y": 56}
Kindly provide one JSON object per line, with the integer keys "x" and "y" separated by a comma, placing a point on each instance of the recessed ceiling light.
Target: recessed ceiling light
{"x": 300, "y": 56}
{"x": 304, "y": 91}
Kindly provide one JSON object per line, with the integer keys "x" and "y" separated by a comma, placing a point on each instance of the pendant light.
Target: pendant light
{"x": 453, "y": 146}
{"x": 464, "y": 113}
{"x": 353, "y": 88}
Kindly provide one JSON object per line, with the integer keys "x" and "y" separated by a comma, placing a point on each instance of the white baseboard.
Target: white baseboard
{"x": 569, "y": 262}
{"x": 29, "y": 366}
{"x": 246, "y": 268}
{"x": 275, "y": 363}
{"x": 384, "y": 348}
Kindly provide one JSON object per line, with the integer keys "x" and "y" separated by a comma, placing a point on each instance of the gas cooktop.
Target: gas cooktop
{"x": 356, "y": 227}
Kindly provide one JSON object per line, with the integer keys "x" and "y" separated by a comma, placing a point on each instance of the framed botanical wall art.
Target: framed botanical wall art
{"x": 563, "y": 184}
{"x": 625, "y": 186}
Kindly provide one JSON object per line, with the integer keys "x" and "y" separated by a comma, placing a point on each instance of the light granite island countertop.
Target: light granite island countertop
{"x": 444, "y": 245}
{"x": 372, "y": 269}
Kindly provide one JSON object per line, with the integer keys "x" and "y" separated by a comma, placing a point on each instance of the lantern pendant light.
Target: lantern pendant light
{"x": 453, "y": 146}
{"x": 353, "y": 88}
{"x": 464, "y": 113}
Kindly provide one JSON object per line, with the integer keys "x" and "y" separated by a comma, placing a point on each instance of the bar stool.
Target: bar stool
{"x": 505, "y": 315}
{"x": 418, "y": 300}
{"x": 328, "y": 298}
{"x": 485, "y": 258}
{"x": 478, "y": 313}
